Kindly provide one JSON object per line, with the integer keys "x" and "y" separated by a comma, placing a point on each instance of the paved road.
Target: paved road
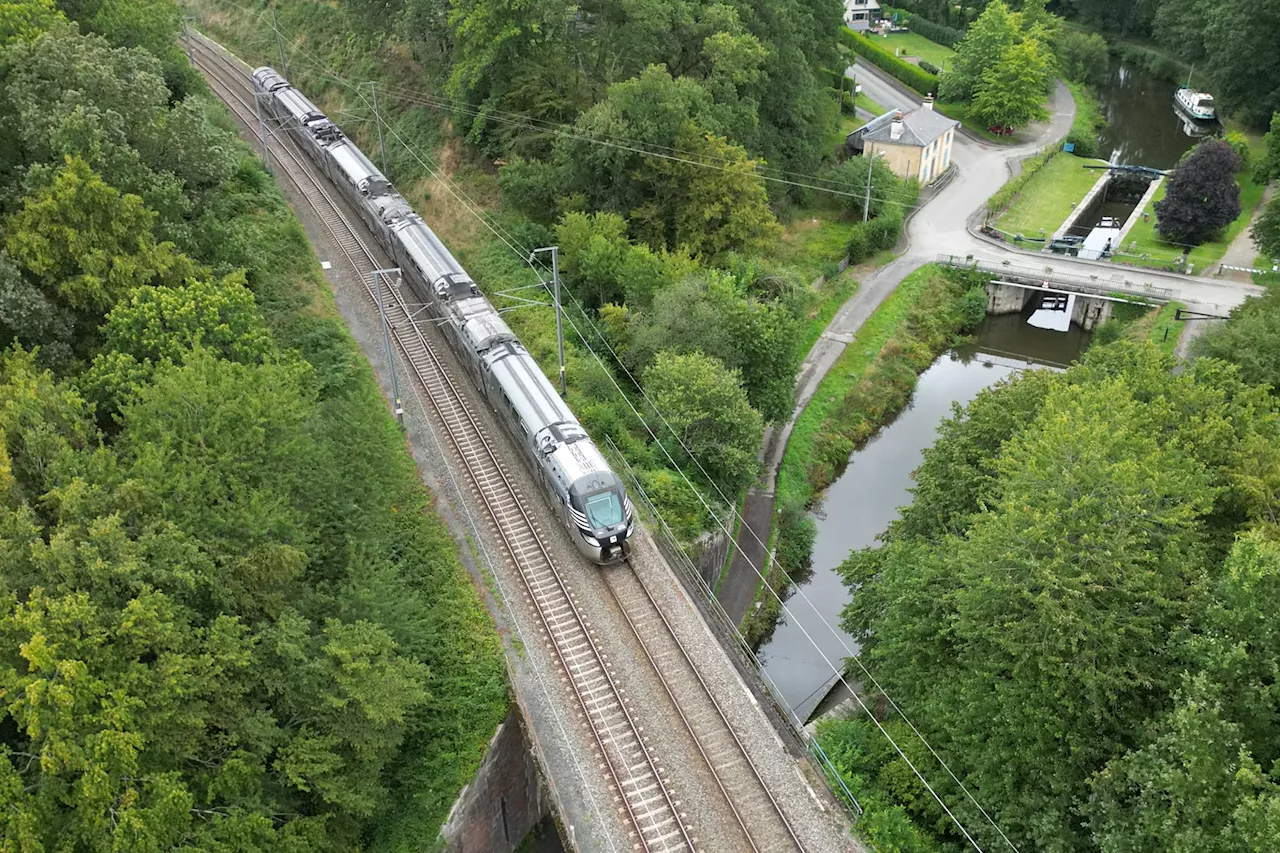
{"x": 939, "y": 226}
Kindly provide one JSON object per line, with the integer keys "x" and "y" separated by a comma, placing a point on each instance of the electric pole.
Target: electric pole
{"x": 386, "y": 341}
{"x": 275, "y": 26}
{"x": 555, "y": 277}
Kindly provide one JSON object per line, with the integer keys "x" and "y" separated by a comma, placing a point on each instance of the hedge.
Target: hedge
{"x": 943, "y": 35}
{"x": 920, "y": 81}
{"x": 1004, "y": 196}
{"x": 867, "y": 238}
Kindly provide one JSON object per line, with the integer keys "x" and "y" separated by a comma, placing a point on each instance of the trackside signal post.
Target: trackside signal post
{"x": 555, "y": 275}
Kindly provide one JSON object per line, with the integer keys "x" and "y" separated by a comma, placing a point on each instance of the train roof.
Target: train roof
{"x": 358, "y": 169}
{"x": 426, "y": 250}
{"x": 268, "y": 79}
{"x": 533, "y": 397}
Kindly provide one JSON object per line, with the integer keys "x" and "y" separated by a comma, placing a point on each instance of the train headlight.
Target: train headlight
{"x": 591, "y": 540}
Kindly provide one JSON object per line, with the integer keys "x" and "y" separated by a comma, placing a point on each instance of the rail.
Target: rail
{"x": 1047, "y": 276}
{"x": 650, "y": 808}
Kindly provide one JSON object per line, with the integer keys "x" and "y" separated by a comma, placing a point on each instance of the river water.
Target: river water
{"x": 866, "y": 497}
{"x": 1143, "y": 127}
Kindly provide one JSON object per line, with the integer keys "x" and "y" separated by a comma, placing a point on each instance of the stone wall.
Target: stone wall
{"x": 503, "y": 802}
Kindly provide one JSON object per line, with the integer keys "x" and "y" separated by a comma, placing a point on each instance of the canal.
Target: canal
{"x": 1143, "y": 127}
{"x": 865, "y": 499}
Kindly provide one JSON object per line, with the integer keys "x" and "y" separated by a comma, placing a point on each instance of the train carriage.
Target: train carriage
{"x": 586, "y": 494}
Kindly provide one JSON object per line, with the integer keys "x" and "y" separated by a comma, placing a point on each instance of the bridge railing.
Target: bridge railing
{"x": 1046, "y": 276}
{"x": 743, "y": 657}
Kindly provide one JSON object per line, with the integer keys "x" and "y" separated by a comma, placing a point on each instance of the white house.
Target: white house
{"x": 861, "y": 15}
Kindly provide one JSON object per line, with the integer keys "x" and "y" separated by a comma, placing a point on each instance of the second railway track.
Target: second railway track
{"x": 635, "y": 773}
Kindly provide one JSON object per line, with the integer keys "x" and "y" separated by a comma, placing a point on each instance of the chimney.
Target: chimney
{"x": 928, "y": 102}
{"x": 895, "y": 128}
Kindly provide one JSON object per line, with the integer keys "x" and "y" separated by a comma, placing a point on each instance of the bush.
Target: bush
{"x": 1153, "y": 62}
{"x": 1082, "y": 57}
{"x": 1240, "y": 144}
{"x": 859, "y": 246}
{"x": 922, "y": 82}
{"x": 973, "y": 307}
{"x": 1084, "y": 130}
{"x": 929, "y": 67}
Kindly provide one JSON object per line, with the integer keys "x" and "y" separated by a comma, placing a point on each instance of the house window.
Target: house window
{"x": 946, "y": 156}
{"x": 926, "y": 172}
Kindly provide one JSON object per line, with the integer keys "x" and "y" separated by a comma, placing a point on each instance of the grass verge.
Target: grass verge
{"x": 1048, "y": 197}
{"x": 1143, "y": 246}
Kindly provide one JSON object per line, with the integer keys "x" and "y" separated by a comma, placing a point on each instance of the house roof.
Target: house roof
{"x": 919, "y": 128}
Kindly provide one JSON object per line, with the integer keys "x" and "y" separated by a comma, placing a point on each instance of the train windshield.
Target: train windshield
{"x": 604, "y": 510}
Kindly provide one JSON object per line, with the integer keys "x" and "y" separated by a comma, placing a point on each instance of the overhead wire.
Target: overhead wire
{"x": 508, "y": 240}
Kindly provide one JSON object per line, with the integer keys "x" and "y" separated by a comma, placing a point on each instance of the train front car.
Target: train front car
{"x": 597, "y": 503}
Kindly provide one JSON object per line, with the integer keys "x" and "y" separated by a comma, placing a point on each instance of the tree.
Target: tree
{"x": 709, "y": 207}
{"x": 1012, "y": 91}
{"x": 1083, "y": 57}
{"x": 1202, "y": 196}
{"x": 26, "y": 19}
{"x": 1266, "y": 230}
{"x": 87, "y": 243}
{"x": 1251, "y": 339}
{"x": 709, "y": 414}
{"x": 1268, "y": 166}
{"x": 850, "y": 177}
{"x": 983, "y": 47}
{"x": 705, "y": 314}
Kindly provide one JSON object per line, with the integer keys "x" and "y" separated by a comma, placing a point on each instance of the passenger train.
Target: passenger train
{"x": 584, "y": 491}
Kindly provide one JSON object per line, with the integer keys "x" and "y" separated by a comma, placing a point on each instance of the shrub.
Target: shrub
{"x": 921, "y": 81}
{"x": 859, "y": 246}
{"x": 1084, "y": 130}
{"x": 973, "y": 307}
{"x": 1153, "y": 62}
{"x": 883, "y": 231}
{"x": 1239, "y": 144}
{"x": 929, "y": 67}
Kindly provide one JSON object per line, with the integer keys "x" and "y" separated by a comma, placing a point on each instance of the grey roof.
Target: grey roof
{"x": 919, "y": 128}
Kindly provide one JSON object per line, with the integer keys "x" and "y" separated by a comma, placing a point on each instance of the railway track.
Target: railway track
{"x": 754, "y": 808}
{"x": 657, "y": 823}
{"x": 652, "y": 812}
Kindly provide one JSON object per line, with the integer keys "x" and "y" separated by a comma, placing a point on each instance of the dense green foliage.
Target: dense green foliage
{"x": 1005, "y": 65}
{"x": 1078, "y": 611}
{"x": 1202, "y": 196}
{"x": 1229, "y": 42}
{"x": 1089, "y": 119}
{"x": 1251, "y": 339}
{"x": 913, "y": 76}
{"x": 230, "y": 619}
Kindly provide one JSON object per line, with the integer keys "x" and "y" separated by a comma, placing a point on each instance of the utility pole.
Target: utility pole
{"x": 866, "y": 204}
{"x": 262, "y": 130}
{"x": 555, "y": 276}
{"x": 275, "y": 26}
{"x": 377, "y": 118}
{"x": 386, "y": 341}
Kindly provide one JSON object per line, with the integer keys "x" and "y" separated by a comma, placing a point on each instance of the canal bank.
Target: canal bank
{"x": 808, "y": 644}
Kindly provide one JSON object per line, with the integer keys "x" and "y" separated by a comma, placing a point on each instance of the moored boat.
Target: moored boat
{"x": 1197, "y": 105}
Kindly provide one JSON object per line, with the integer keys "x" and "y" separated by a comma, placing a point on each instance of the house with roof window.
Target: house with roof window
{"x": 915, "y": 144}
{"x": 861, "y": 15}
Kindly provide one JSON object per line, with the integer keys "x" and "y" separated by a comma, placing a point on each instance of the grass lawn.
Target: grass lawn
{"x": 1143, "y": 240}
{"x": 1046, "y": 201}
{"x": 913, "y": 44}
{"x": 813, "y": 240}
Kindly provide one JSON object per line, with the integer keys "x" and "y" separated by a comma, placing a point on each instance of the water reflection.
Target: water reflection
{"x": 1143, "y": 127}
{"x": 865, "y": 499}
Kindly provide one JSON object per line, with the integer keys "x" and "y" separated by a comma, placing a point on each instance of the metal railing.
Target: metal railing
{"x": 1046, "y": 276}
